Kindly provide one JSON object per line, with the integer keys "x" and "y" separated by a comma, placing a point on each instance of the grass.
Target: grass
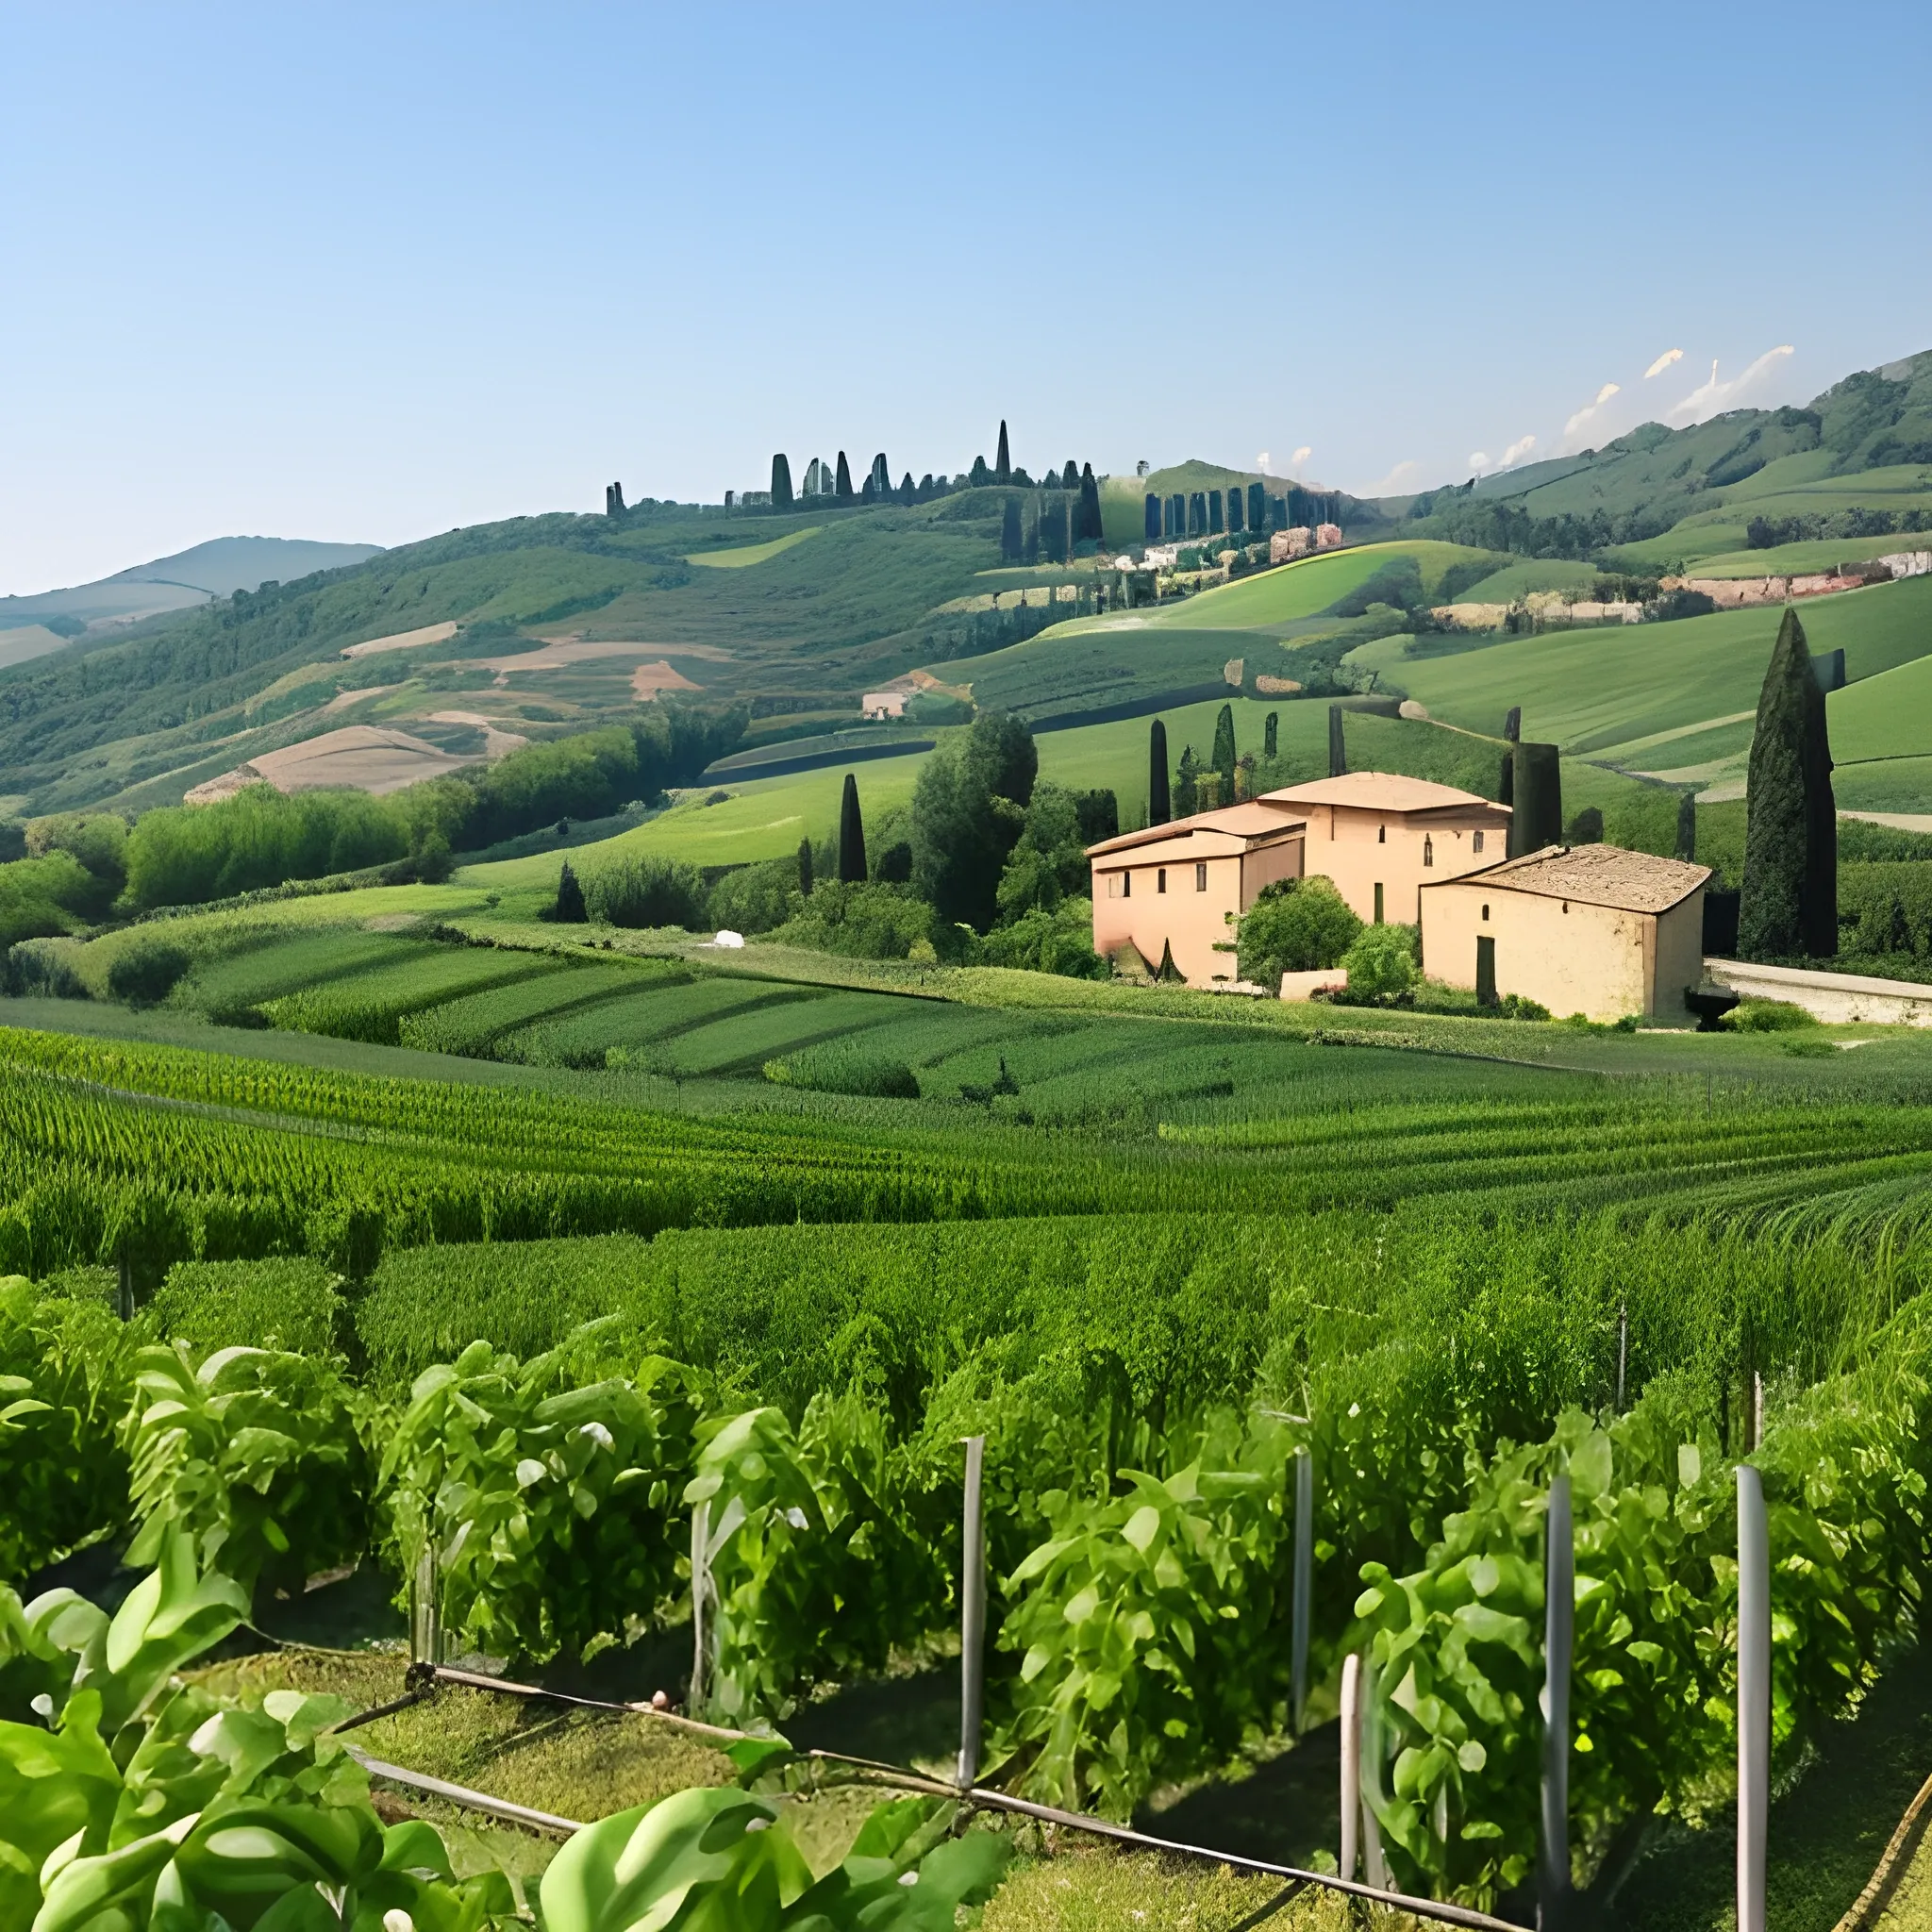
{"x": 750, "y": 553}
{"x": 1806, "y": 558}
{"x": 1532, "y": 573}
{"x": 1885, "y": 716}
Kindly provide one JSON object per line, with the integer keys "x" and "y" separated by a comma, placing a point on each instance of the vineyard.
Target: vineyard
{"x": 687, "y": 1343}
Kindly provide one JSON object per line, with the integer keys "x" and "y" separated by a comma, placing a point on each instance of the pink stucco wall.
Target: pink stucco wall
{"x": 1361, "y": 849}
{"x": 1199, "y": 908}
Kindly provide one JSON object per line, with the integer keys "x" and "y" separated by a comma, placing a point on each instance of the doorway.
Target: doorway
{"x": 1484, "y": 971}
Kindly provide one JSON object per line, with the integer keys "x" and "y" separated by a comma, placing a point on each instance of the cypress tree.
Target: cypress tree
{"x": 1150, "y": 522}
{"x": 908, "y": 490}
{"x": 1271, "y": 734}
{"x": 1070, "y": 477}
{"x": 1536, "y": 819}
{"x": 1158, "y": 809}
{"x": 1010, "y": 540}
{"x": 841, "y": 489}
{"x": 1257, "y": 508}
{"x": 1687, "y": 827}
{"x": 1003, "y": 463}
{"x": 1338, "y": 744}
{"x": 1790, "y": 889}
{"x": 569, "y": 909}
{"x": 851, "y": 836}
{"x": 1086, "y": 527}
{"x": 1185, "y": 792}
{"x": 1214, "y": 513}
{"x": 979, "y": 475}
{"x": 1177, "y": 516}
{"x": 1512, "y": 723}
{"x": 781, "y": 482}
{"x": 1235, "y": 517}
{"x": 804, "y": 867}
{"x": 1224, "y": 752}
{"x": 881, "y": 478}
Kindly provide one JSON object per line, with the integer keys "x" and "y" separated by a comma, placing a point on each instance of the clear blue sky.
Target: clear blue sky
{"x": 369, "y": 272}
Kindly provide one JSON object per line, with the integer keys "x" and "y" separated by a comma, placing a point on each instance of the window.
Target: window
{"x": 1428, "y": 850}
{"x": 1379, "y": 904}
{"x": 1476, "y": 844}
{"x": 1200, "y": 878}
{"x": 1161, "y": 880}
{"x": 1381, "y": 835}
{"x": 1126, "y": 885}
{"x": 1486, "y": 912}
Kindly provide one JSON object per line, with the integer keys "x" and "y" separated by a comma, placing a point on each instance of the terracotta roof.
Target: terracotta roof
{"x": 1377, "y": 792}
{"x": 1243, "y": 823}
{"x": 1597, "y": 875}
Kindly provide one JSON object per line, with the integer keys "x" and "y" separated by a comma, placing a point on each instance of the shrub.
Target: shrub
{"x": 753, "y": 898}
{"x": 285, "y": 1302}
{"x": 1766, "y": 1016}
{"x": 144, "y": 970}
{"x": 647, "y": 890}
{"x": 1058, "y": 941}
{"x": 1381, "y": 964}
{"x": 1297, "y": 925}
{"x": 862, "y": 922}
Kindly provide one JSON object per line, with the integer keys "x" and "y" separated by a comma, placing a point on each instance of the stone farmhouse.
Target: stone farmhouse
{"x": 1178, "y": 892}
{"x": 1589, "y": 929}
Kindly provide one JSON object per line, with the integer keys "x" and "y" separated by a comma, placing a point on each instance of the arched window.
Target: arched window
{"x": 1428, "y": 850}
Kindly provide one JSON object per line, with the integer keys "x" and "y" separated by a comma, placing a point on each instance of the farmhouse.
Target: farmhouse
{"x": 1177, "y": 891}
{"x": 1589, "y": 929}
{"x": 1379, "y": 836}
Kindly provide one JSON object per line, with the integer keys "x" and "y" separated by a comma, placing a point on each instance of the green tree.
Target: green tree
{"x": 968, "y": 811}
{"x": 1381, "y": 964}
{"x": 851, "y": 836}
{"x": 1270, "y": 730}
{"x": 1049, "y": 863}
{"x": 841, "y": 489}
{"x": 804, "y": 867}
{"x": 1536, "y": 817}
{"x": 1158, "y": 809}
{"x": 1223, "y": 758}
{"x": 781, "y": 482}
{"x": 1003, "y": 463}
{"x": 1788, "y": 902}
{"x": 1012, "y": 545}
{"x": 569, "y": 909}
{"x": 1087, "y": 517}
{"x": 1298, "y": 926}
{"x": 1687, "y": 827}
{"x": 1338, "y": 744}
{"x": 1187, "y": 790}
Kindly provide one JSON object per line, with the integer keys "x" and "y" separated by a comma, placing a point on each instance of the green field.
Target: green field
{"x": 1597, "y": 691}
{"x": 751, "y": 553}
{"x": 1885, "y": 716}
{"x": 1516, "y": 581}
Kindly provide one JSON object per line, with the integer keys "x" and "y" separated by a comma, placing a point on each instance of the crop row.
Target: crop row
{"x": 1142, "y": 1391}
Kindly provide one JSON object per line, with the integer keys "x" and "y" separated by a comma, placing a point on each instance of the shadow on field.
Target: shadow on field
{"x": 1283, "y": 1811}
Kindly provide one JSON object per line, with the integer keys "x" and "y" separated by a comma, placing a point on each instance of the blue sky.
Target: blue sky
{"x": 371, "y": 272}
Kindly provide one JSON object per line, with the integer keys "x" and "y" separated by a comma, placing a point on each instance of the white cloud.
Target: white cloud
{"x": 1299, "y": 458}
{"x": 1516, "y": 453}
{"x": 1711, "y": 399}
{"x": 1572, "y": 430}
{"x": 1478, "y": 462}
{"x": 1663, "y": 362}
{"x": 1261, "y": 462}
{"x": 1400, "y": 481}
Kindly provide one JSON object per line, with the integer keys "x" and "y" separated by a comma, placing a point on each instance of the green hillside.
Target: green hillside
{"x": 1885, "y": 716}
{"x": 1607, "y": 692}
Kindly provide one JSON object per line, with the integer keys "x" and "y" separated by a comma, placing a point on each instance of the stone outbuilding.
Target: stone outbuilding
{"x": 1589, "y": 929}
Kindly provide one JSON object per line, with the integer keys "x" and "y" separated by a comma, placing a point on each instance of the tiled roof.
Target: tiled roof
{"x": 1376, "y": 791}
{"x": 1597, "y": 875}
{"x": 1250, "y": 819}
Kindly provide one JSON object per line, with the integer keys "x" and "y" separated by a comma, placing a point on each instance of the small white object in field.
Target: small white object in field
{"x": 659, "y": 1701}
{"x": 728, "y": 938}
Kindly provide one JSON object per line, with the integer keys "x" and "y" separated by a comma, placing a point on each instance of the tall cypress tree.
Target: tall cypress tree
{"x": 804, "y": 867}
{"x": 1338, "y": 744}
{"x": 1003, "y": 463}
{"x": 781, "y": 482}
{"x": 908, "y": 490}
{"x": 1151, "y": 521}
{"x": 841, "y": 489}
{"x": 569, "y": 909}
{"x": 1788, "y": 902}
{"x": 1536, "y": 817}
{"x": 1086, "y": 527}
{"x": 1186, "y": 792}
{"x": 1070, "y": 477}
{"x": 1235, "y": 520}
{"x": 1011, "y": 542}
{"x": 1224, "y": 752}
{"x": 1158, "y": 809}
{"x": 1257, "y": 508}
{"x": 1687, "y": 827}
{"x": 851, "y": 836}
{"x": 1270, "y": 730}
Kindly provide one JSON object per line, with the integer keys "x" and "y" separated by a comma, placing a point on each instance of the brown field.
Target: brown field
{"x": 364, "y": 757}
{"x": 402, "y": 640}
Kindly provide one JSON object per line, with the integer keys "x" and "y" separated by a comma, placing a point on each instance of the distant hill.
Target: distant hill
{"x": 216, "y": 568}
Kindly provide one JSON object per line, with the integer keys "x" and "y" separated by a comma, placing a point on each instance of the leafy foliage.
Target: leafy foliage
{"x": 1297, "y": 925}
{"x": 254, "y": 1455}
{"x": 547, "y": 1506}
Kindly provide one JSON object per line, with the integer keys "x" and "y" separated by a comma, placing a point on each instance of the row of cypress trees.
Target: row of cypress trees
{"x": 1162, "y": 797}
